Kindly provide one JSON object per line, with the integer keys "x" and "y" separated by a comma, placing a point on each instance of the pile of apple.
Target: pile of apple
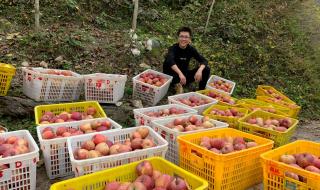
{"x": 226, "y": 145}
{"x": 165, "y": 112}
{"x": 49, "y": 117}
{"x": 221, "y": 97}
{"x": 221, "y": 85}
{"x": 99, "y": 145}
{"x": 57, "y": 72}
{"x": 305, "y": 161}
{"x": 94, "y": 126}
{"x": 270, "y": 110}
{"x": 153, "y": 79}
{"x": 150, "y": 179}
{"x": 190, "y": 124}
{"x": 273, "y": 94}
{"x": 193, "y": 101}
{"x": 232, "y": 112}
{"x": 282, "y": 103}
{"x": 13, "y": 146}
{"x": 272, "y": 123}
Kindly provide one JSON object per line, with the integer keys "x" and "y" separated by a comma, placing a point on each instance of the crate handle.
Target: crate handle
{"x": 196, "y": 158}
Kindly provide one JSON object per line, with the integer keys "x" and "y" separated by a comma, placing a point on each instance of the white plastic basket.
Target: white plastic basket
{"x": 174, "y": 100}
{"x": 142, "y": 119}
{"x": 22, "y": 169}
{"x": 82, "y": 167}
{"x": 150, "y": 94}
{"x": 55, "y": 151}
{"x": 215, "y": 78}
{"x": 48, "y": 87}
{"x": 104, "y": 88}
{"x": 171, "y": 135}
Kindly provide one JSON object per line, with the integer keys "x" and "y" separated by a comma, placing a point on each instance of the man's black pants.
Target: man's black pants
{"x": 189, "y": 74}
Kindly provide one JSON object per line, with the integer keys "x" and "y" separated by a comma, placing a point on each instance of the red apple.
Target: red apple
{"x": 144, "y": 168}
{"x": 88, "y": 145}
{"x": 163, "y": 181}
{"x": 178, "y": 184}
{"x": 137, "y": 186}
{"x": 112, "y": 186}
{"x": 98, "y": 138}
{"x": 147, "y": 181}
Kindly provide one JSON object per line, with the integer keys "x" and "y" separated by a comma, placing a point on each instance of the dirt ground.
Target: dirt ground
{"x": 308, "y": 131}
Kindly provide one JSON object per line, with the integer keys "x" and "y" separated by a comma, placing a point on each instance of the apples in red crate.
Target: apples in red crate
{"x": 232, "y": 112}
{"x": 100, "y": 145}
{"x": 190, "y": 124}
{"x": 271, "y": 123}
{"x": 226, "y": 145}
{"x": 147, "y": 180}
{"x": 49, "y": 117}
{"x": 12, "y": 146}
{"x": 152, "y": 79}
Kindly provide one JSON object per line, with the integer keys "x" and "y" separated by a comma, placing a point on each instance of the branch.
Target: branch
{"x": 210, "y": 11}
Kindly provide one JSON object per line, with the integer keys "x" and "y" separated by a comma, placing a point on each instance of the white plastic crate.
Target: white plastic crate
{"x": 49, "y": 87}
{"x": 104, "y": 88}
{"x": 214, "y": 78}
{"x": 55, "y": 151}
{"x": 83, "y": 167}
{"x": 174, "y": 100}
{"x": 171, "y": 135}
{"x": 150, "y": 94}
{"x": 22, "y": 169}
{"x": 142, "y": 119}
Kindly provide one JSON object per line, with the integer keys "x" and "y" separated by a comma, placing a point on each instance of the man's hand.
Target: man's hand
{"x": 183, "y": 79}
{"x": 198, "y": 76}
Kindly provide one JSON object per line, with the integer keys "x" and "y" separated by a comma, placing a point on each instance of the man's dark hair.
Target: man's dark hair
{"x": 184, "y": 29}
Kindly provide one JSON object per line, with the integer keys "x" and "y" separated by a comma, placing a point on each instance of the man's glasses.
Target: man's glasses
{"x": 184, "y": 37}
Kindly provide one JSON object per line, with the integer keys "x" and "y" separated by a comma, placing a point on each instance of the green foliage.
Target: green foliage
{"x": 250, "y": 42}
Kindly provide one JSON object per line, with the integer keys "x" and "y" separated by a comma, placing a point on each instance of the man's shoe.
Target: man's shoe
{"x": 179, "y": 88}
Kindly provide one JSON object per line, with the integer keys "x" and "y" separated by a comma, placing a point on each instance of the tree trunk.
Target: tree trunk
{"x": 37, "y": 15}
{"x": 210, "y": 11}
{"x": 135, "y": 15}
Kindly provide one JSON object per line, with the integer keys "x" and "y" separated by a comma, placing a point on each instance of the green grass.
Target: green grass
{"x": 250, "y": 42}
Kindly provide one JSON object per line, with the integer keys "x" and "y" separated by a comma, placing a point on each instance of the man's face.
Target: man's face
{"x": 184, "y": 39}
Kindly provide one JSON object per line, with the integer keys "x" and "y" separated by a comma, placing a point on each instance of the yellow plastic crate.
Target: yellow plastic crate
{"x": 68, "y": 107}
{"x": 270, "y": 109}
{"x": 233, "y": 171}
{"x": 7, "y": 71}
{"x": 282, "y": 109}
{"x": 127, "y": 173}
{"x": 274, "y": 171}
{"x": 294, "y": 109}
{"x": 206, "y": 92}
{"x": 279, "y": 138}
{"x": 262, "y": 90}
{"x": 232, "y": 121}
